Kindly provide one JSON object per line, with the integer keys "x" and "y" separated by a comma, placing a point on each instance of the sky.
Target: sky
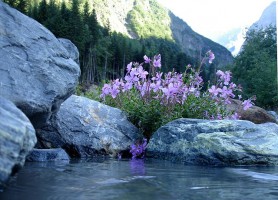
{"x": 212, "y": 18}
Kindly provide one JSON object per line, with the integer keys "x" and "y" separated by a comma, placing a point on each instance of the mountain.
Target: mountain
{"x": 234, "y": 39}
{"x": 147, "y": 18}
{"x": 267, "y": 18}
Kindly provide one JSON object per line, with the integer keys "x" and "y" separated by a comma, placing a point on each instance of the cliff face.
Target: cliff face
{"x": 193, "y": 43}
{"x": 267, "y": 18}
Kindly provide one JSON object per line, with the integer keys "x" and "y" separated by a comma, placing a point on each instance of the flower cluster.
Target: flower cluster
{"x": 152, "y": 98}
{"x": 169, "y": 89}
{"x": 138, "y": 150}
{"x": 224, "y": 91}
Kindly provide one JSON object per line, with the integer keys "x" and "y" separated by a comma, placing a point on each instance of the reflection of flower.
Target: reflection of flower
{"x": 137, "y": 167}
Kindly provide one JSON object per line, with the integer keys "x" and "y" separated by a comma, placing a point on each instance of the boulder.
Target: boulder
{"x": 17, "y": 138}
{"x": 84, "y": 128}
{"x": 219, "y": 142}
{"x": 254, "y": 114}
{"x": 44, "y": 155}
{"x": 274, "y": 114}
{"x": 71, "y": 48}
{"x": 37, "y": 73}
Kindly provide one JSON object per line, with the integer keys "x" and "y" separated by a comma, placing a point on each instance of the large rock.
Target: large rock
{"x": 219, "y": 142}
{"x": 17, "y": 138}
{"x": 37, "y": 72}
{"x": 84, "y": 127}
{"x": 71, "y": 48}
{"x": 274, "y": 114}
{"x": 254, "y": 114}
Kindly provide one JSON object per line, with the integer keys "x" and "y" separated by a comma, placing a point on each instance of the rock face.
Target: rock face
{"x": 44, "y": 155}
{"x": 86, "y": 128}
{"x": 17, "y": 138}
{"x": 254, "y": 114}
{"x": 190, "y": 41}
{"x": 219, "y": 142}
{"x": 37, "y": 72}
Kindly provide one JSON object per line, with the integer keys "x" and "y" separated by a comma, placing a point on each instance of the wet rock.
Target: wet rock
{"x": 84, "y": 127}
{"x": 43, "y": 155}
{"x": 17, "y": 138}
{"x": 37, "y": 73}
{"x": 219, "y": 142}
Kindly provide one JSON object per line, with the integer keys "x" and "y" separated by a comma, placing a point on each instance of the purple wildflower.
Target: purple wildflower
{"x": 234, "y": 116}
{"x": 214, "y": 90}
{"x": 138, "y": 150}
{"x": 157, "y": 61}
{"x": 156, "y": 86}
{"x": 141, "y": 72}
{"x": 114, "y": 91}
{"x": 247, "y": 104}
{"x": 210, "y": 56}
{"x": 129, "y": 66}
{"x": 147, "y": 59}
{"x": 105, "y": 89}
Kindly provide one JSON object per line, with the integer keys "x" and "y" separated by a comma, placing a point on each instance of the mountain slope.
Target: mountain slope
{"x": 147, "y": 18}
{"x": 192, "y": 43}
{"x": 267, "y": 18}
{"x": 234, "y": 39}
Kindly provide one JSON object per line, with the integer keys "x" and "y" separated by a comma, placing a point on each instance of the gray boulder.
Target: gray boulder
{"x": 17, "y": 138}
{"x": 44, "y": 155}
{"x": 37, "y": 72}
{"x": 274, "y": 114}
{"x": 219, "y": 142}
{"x": 84, "y": 127}
{"x": 71, "y": 48}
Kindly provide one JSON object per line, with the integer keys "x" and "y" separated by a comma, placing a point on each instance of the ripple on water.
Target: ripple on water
{"x": 148, "y": 179}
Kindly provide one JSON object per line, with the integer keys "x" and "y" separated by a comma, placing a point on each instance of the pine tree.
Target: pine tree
{"x": 22, "y": 6}
{"x": 42, "y": 10}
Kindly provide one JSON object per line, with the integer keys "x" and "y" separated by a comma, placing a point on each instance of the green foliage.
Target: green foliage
{"x": 149, "y": 19}
{"x": 21, "y": 5}
{"x": 256, "y": 66}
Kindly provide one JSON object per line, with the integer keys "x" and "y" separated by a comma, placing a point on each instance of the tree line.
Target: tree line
{"x": 255, "y": 67}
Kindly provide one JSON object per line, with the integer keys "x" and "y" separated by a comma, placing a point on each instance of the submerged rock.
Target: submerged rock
{"x": 84, "y": 127}
{"x": 37, "y": 73}
{"x": 43, "y": 155}
{"x": 17, "y": 138}
{"x": 219, "y": 142}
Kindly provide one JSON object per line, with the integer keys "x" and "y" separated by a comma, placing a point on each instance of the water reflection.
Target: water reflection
{"x": 137, "y": 167}
{"x": 140, "y": 179}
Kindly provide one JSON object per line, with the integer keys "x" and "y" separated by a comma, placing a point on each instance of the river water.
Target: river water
{"x": 148, "y": 179}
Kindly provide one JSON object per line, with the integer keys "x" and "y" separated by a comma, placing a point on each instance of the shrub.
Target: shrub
{"x": 151, "y": 99}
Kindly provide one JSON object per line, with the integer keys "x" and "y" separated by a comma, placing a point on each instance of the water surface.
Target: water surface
{"x": 149, "y": 179}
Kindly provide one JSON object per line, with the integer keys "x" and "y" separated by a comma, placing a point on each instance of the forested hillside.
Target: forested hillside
{"x": 144, "y": 28}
